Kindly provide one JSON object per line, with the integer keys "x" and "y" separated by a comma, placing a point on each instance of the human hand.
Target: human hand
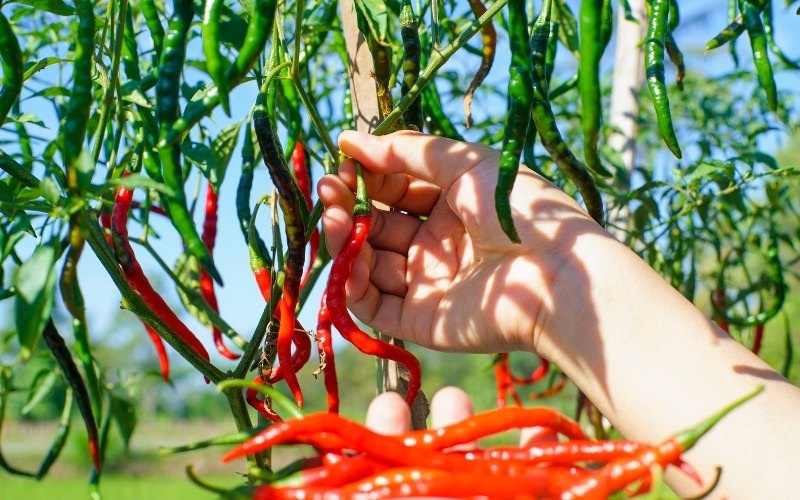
{"x": 389, "y": 414}
{"x": 441, "y": 273}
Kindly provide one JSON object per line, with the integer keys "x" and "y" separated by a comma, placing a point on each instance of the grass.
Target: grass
{"x": 121, "y": 487}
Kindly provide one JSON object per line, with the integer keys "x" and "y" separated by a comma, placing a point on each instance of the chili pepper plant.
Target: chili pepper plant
{"x": 117, "y": 115}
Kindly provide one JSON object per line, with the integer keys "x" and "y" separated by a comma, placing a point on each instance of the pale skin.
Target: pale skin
{"x": 650, "y": 361}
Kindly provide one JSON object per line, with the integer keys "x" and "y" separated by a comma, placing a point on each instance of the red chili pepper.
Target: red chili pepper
{"x": 158, "y": 342}
{"x": 135, "y": 275}
{"x": 295, "y": 239}
{"x": 758, "y": 338}
{"x": 302, "y": 352}
{"x": 206, "y": 282}
{"x": 326, "y": 355}
{"x": 538, "y": 374}
{"x": 563, "y": 453}
{"x": 302, "y": 175}
{"x": 340, "y": 316}
{"x": 503, "y": 380}
{"x": 358, "y": 437}
{"x": 550, "y": 391}
{"x": 105, "y": 223}
{"x": 426, "y": 482}
{"x": 251, "y": 396}
{"x": 338, "y": 472}
{"x": 261, "y": 272}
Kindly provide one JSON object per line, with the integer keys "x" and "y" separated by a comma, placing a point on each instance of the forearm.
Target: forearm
{"x": 654, "y": 365}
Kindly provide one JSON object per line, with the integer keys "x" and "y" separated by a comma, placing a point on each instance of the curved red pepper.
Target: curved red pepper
{"x": 135, "y": 275}
{"x": 302, "y": 175}
{"x": 340, "y": 316}
{"x": 209, "y": 238}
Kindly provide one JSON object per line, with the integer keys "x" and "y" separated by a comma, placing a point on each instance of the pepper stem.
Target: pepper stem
{"x": 689, "y": 437}
{"x": 362, "y": 206}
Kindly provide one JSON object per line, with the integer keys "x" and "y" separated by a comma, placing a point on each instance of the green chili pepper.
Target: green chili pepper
{"x": 673, "y": 51}
{"x": 546, "y": 125}
{"x": 654, "y": 67}
{"x": 291, "y": 109}
{"x": 80, "y": 102}
{"x": 411, "y": 59}
{"x": 73, "y": 301}
{"x": 167, "y": 102}
{"x": 591, "y": 40}
{"x": 150, "y": 13}
{"x": 61, "y": 436}
{"x": 436, "y": 120}
{"x": 676, "y": 56}
{"x": 382, "y": 62}
{"x": 295, "y": 239}
{"x": 215, "y": 62}
{"x": 770, "y": 32}
{"x": 488, "y": 51}
{"x": 258, "y": 31}
{"x": 55, "y": 343}
{"x": 606, "y": 24}
{"x": 12, "y": 68}
{"x": 735, "y": 27}
{"x": 552, "y": 49}
{"x": 528, "y": 156}
{"x": 733, "y": 11}
{"x": 243, "y": 191}
{"x": 759, "y": 46}
{"x": 130, "y": 49}
{"x": 519, "y": 105}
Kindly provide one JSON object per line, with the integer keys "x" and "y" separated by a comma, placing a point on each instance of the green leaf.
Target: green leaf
{"x": 376, "y": 15}
{"x": 708, "y": 168}
{"x": 57, "y": 7}
{"x": 138, "y": 180}
{"x": 757, "y": 157}
{"x": 201, "y": 156}
{"x": 42, "y": 386}
{"x": 124, "y": 413}
{"x": 28, "y": 118}
{"x": 188, "y": 273}
{"x": 222, "y": 148}
{"x": 50, "y": 190}
{"x": 32, "y": 68}
{"x": 35, "y": 281}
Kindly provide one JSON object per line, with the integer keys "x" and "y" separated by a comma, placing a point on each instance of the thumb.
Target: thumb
{"x": 437, "y": 160}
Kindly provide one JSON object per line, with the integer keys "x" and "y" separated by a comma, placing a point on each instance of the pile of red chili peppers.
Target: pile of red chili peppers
{"x": 352, "y": 461}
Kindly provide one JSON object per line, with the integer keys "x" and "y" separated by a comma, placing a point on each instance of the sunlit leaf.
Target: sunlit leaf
{"x": 35, "y": 281}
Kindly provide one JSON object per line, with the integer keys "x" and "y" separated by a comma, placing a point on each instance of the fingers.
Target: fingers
{"x": 392, "y": 231}
{"x": 389, "y": 414}
{"x": 451, "y": 405}
{"x": 399, "y": 191}
{"x": 530, "y": 435}
{"x": 433, "y": 159}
